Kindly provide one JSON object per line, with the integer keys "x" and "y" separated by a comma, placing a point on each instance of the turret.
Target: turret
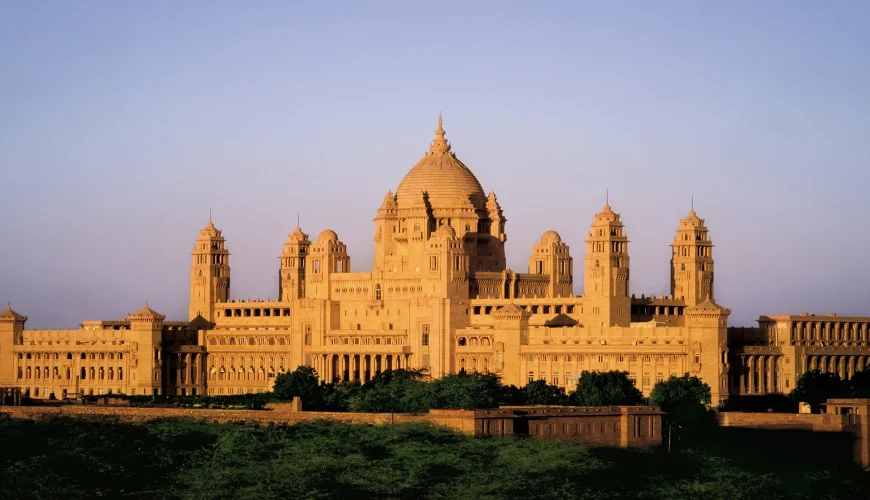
{"x": 386, "y": 224}
{"x": 708, "y": 348}
{"x": 327, "y": 255}
{"x": 494, "y": 230}
{"x": 447, "y": 266}
{"x": 552, "y": 257}
{"x": 209, "y": 273}
{"x": 692, "y": 262}
{"x": 146, "y": 330}
{"x": 291, "y": 276}
{"x": 605, "y": 287}
{"x": 11, "y": 333}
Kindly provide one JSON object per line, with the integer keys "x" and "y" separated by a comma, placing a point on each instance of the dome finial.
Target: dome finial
{"x": 439, "y": 144}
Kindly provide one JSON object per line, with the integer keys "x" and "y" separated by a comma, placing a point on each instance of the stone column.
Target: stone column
{"x": 769, "y": 366}
{"x": 751, "y": 374}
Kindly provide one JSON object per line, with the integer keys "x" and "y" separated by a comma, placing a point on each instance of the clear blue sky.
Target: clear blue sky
{"x": 122, "y": 123}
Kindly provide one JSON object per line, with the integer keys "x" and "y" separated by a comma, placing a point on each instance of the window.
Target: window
{"x": 316, "y": 265}
{"x": 433, "y": 263}
{"x": 425, "y": 328}
{"x": 378, "y": 291}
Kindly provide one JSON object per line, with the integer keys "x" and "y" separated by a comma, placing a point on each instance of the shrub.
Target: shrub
{"x": 684, "y": 398}
{"x": 605, "y": 389}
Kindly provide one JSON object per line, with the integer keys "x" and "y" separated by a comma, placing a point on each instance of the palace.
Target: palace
{"x": 439, "y": 297}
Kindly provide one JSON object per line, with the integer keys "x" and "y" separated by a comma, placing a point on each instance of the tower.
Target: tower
{"x": 692, "y": 262}
{"x": 447, "y": 266}
{"x": 11, "y": 332}
{"x": 209, "y": 273}
{"x": 494, "y": 228}
{"x": 605, "y": 285}
{"x": 328, "y": 255}
{"x": 551, "y": 257}
{"x": 291, "y": 276}
{"x": 146, "y": 328}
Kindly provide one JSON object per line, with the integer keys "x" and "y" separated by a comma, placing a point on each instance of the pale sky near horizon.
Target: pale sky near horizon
{"x": 122, "y": 123}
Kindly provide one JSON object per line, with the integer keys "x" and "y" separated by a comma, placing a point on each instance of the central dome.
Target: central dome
{"x": 446, "y": 180}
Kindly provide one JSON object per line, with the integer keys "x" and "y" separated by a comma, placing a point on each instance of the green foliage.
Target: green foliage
{"x": 467, "y": 391}
{"x": 302, "y": 383}
{"x": 235, "y": 402}
{"x": 606, "y": 389}
{"x": 390, "y": 391}
{"x": 182, "y": 459}
{"x": 539, "y": 392}
{"x": 815, "y": 387}
{"x": 685, "y": 398}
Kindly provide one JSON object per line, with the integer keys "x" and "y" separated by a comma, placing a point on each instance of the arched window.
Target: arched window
{"x": 462, "y": 341}
{"x": 378, "y": 291}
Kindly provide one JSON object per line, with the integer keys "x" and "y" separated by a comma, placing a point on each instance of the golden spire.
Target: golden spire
{"x": 439, "y": 144}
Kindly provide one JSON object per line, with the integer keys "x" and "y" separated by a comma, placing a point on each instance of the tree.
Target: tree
{"x": 815, "y": 387}
{"x": 302, "y": 383}
{"x": 464, "y": 391}
{"x": 539, "y": 392}
{"x": 684, "y": 398}
{"x": 860, "y": 384}
{"x": 606, "y": 389}
{"x": 392, "y": 391}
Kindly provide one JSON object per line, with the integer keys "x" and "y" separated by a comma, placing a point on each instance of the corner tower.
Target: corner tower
{"x": 146, "y": 328}
{"x": 11, "y": 331}
{"x": 209, "y": 273}
{"x": 692, "y": 262}
{"x": 291, "y": 276}
{"x": 605, "y": 284}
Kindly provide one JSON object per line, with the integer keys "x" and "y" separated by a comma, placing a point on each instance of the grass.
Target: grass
{"x": 69, "y": 459}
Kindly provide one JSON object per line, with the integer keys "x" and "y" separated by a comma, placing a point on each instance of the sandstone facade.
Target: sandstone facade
{"x": 438, "y": 297}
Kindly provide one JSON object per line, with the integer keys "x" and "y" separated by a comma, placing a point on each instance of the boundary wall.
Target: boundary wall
{"x": 622, "y": 426}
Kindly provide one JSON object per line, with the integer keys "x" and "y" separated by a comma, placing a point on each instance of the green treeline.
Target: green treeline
{"x": 410, "y": 391}
{"x": 182, "y": 459}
